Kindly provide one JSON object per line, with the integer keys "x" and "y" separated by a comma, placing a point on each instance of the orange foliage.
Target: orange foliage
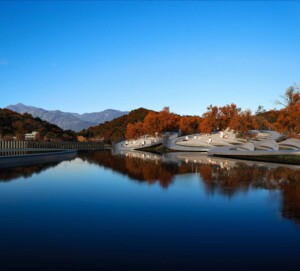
{"x": 288, "y": 121}
{"x": 226, "y": 114}
{"x": 160, "y": 122}
{"x": 243, "y": 122}
{"x": 81, "y": 138}
{"x": 206, "y": 126}
{"x": 167, "y": 120}
{"x": 134, "y": 130}
{"x": 210, "y": 121}
{"x": 218, "y": 118}
{"x": 151, "y": 123}
{"x": 189, "y": 124}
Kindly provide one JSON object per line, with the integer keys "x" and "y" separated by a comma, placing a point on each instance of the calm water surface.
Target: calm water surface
{"x": 139, "y": 211}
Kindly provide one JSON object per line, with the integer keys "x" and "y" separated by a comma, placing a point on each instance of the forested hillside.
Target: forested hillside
{"x": 115, "y": 130}
{"x": 15, "y": 125}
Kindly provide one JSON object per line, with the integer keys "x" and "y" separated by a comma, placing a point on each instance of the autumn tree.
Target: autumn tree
{"x": 167, "y": 121}
{"x": 226, "y": 114}
{"x": 210, "y": 120}
{"x": 134, "y": 130}
{"x": 260, "y": 117}
{"x": 218, "y": 118}
{"x": 288, "y": 121}
{"x": 189, "y": 124}
{"x": 243, "y": 123}
{"x": 291, "y": 96}
{"x": 206, "y": 126}
{"x": 151, "y": 123}
{"x": 160, "y": 122}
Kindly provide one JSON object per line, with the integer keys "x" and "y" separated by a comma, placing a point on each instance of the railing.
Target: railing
{"x": 51, "y": 145}
{"x": 13, "y": 144}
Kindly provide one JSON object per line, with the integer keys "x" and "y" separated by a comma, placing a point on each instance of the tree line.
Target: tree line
{"x": 142, "y": 121}
{"x": 285, "y": 120}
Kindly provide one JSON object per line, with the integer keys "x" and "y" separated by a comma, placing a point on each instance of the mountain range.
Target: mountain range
{"x": 67, "y": 120}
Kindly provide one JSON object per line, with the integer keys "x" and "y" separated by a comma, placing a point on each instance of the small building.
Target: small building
{"x": 31, "y": 136}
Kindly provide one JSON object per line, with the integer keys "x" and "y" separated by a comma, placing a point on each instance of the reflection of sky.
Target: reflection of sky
{"x": 78, "y": 207}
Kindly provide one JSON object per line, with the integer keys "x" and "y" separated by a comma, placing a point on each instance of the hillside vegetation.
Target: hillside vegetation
{"x": 112, "y": 131}
{"x": 15, "y": 125}
{"x": 217, "y": 118}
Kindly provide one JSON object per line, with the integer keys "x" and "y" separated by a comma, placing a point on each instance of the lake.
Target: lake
{"x": 142, "y": 211}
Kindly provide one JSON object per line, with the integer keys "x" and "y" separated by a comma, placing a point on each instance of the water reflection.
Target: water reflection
{"x": 138, "y": 166}
{"x": 198, "y": 214}
{"x": 227, "y": 173}
{"x": 223, "y": 176}
{"x": 13, "y": 173}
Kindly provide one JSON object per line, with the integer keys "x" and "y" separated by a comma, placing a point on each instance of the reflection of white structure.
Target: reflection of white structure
{"x": 140, "y": 154}
{"x": 31, "y": 136}
{"x": 200, "y": 158}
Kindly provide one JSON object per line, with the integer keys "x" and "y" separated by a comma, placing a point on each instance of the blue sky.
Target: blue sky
{"x": 90, "y": 56}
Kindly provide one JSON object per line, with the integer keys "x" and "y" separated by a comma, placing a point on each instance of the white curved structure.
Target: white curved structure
{"x": 139, "y": 143}
{"x": 290, "y": 143}
{"x": 278, "y": 156}
{"x": 202, "y": 142}
{"x": 267, "y": 145}
{"x": 266, "y": 134}
{"x": 205, "y": 142}
{"x": 246, "y": 147}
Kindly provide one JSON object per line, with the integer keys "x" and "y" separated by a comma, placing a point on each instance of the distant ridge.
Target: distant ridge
{"x": 67, "y": 120}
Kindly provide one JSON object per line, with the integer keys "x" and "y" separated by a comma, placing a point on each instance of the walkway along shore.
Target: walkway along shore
{"x": 21, "y": 153}
{"x": 51, "y": 145}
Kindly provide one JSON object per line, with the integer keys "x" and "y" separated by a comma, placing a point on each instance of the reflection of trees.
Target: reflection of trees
{"x": 134, "y": 167}
{"x": 241, "y": 177}
{"x": 290, "y": 187}
{"x": 9, "y": 174}
{"x": 230, "y": 180}
{"x": 217, "y": 179}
